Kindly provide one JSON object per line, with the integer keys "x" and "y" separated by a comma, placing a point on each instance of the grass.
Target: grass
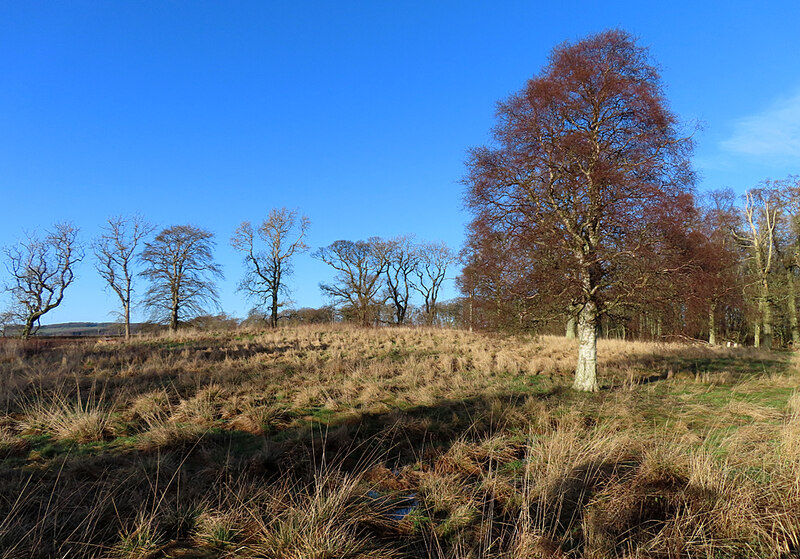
{"x": 321, "y": 442}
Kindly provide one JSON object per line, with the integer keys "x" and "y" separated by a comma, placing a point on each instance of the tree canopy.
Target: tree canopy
{"x": 587, "y": 166}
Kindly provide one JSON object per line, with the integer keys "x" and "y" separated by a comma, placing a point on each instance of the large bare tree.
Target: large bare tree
{"x": 433, "y": 259}
{"x": 41, "y": 269}
{"x": 360, "y": 267}
{"x": 400, "y": 268}
{"x": 268, "y": 252}
{"x": 115, "y": 251}
{"x": 179, "y": 263}
{"x": 587, "y": 158}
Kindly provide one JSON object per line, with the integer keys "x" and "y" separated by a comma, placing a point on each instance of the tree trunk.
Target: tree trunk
{"x": 173, "y": 318}
{"x": 712, "y": 325}
{"x": 273, "y": 319}
{"x": 766, "y": 318}
{"x": 572, "y": 321}
{"x": 276, "y": 287}
{"x": 27, "y": 328}
{"x": 572, "y": 328}
{"x": 586, "y": 371}
{"x": 126, "y": 305}
{"x": 470, "y": 311}
{"x": 757, "y": 333}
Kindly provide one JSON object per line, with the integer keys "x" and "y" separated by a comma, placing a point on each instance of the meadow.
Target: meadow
{"x": 340, "y": 442}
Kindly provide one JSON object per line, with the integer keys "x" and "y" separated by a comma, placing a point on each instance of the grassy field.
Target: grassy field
{"x": 336, "y": 442}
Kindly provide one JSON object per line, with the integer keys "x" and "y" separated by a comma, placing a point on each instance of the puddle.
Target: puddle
{"x": 402, "y": 508}
{"x": 407, "y": 506}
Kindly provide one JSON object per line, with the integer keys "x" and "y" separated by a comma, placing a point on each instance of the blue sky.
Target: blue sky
{"x": 359, "y": 114}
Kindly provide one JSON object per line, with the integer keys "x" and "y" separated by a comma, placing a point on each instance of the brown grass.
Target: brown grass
{"x": 344, "y": 442}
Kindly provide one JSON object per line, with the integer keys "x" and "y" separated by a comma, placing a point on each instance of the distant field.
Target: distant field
{"x": 331, "y": 441}
{"x": 77, "y": 329}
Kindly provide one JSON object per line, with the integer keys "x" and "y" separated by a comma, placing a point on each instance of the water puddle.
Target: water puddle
{"x": 405, "y": 505}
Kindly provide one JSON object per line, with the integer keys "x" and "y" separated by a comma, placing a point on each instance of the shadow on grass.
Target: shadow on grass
{"x": 58, "y": 497}
{"x": 722, "y": 365}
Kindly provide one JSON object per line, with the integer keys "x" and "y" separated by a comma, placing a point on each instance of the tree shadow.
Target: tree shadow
{"x": 719, "y": 365}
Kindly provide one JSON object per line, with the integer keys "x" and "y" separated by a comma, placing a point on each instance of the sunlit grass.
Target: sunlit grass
{"x": 344, "y": 442}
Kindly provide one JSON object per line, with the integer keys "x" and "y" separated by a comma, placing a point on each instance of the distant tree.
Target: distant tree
{"x": 717, "y": 278}
{"x": 6, "y": 321}
{"x": 360, "y": 267}
{"x": 758, "y": 234}
{"x": 213, "y": 322}
{"x": 432, "y": 262}
{"x": 402, "y": 263}
{"x": 115, "y": 251}
{"x": 788, "y": 248}
{"x": 280, "y": 237}
{"x": 586, "y": 158}
{"x": 307, "y": 315}
{"x": 256, "y": 318}
{"x": 179, "y": 263}
{"x": 451, "y": 313}
{"x": 41, "y": 269}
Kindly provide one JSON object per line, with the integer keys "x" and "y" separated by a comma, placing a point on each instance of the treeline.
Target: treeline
{"x": 726, "y": 270}
{"x": 376, "y": 280}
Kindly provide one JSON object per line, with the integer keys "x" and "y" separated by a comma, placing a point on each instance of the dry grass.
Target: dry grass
{"x": 345, "y": 442}
{"x": 67, "y": 417}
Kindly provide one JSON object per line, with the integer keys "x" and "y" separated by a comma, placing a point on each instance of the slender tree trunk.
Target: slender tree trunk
{"x": 470, "y": 311}
{"x": 712, "y": 325}
{"x": 126, "y": 305}
{"x": 765, "y": 312}
{"x": 757, "y": 333}
{"x": 586, "y": 371}
{"x": 276, "y": 286}
{"x": 766, "y": 318}
{"x": 173, "y": 316}
{"x": 273, "y": 319}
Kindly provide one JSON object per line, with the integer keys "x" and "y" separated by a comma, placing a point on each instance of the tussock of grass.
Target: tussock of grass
{"x": 66, "y": 417}
{"x": 328, "y": 518}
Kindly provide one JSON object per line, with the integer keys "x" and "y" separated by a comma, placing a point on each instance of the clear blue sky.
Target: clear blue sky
{"x": 359, "y": 114}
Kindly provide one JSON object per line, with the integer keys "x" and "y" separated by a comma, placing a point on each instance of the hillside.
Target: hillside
{"x": 332, "y": 441}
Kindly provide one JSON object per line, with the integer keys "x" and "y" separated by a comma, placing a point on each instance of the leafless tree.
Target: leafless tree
{"x": 400, "y": 268}
{"x": 115, "y": 251}
{"x": 360, "y": 267}
{"x": 41, "y": 269}
{"x": 758, "y": 236}
{"x": 7, "y": 320}
{"x": 280, "y": 237}
{"x": 181, "y": 269}
{"x": 433, "y": 259}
